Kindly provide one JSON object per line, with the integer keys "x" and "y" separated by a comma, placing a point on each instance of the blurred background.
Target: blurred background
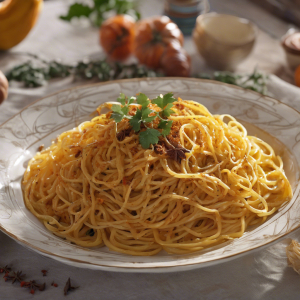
{"x": 57, "y": 44}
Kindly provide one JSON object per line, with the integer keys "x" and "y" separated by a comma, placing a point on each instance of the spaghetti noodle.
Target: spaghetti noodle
{"x": 95, "y": 185}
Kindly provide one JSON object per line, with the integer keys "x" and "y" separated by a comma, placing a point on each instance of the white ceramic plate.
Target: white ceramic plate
{"x": 43, "y": 120}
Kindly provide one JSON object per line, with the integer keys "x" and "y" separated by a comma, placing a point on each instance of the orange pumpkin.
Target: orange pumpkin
{"x": 175, "y": 61}
{"x": 297, "y": 76}
{"x": 153, "y": 35}
{"x": 117, "y": 36}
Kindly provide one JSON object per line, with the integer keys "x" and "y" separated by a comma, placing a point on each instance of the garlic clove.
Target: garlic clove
{"x": 3, "y": 87}
{"x": 293, "y": 255}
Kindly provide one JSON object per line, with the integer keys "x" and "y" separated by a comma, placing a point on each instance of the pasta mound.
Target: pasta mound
{"x": 201, "y": 185}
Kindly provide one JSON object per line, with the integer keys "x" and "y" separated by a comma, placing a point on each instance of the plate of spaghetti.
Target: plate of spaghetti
{"x": 150, "y": 175}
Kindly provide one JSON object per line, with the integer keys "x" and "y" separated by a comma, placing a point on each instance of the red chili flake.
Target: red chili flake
{"x": 126, "y": 181}
{"x": 44, "y": 272}
{"x": 54, "y": 284}
{"x": 100, "y": 200}
{"x": 5, "y": 269}
{"x": 32, "y": 291}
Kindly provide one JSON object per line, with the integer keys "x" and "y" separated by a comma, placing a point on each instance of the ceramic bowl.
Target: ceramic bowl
{"x": 224, "y": 41}
{"x": 291, "y": 44}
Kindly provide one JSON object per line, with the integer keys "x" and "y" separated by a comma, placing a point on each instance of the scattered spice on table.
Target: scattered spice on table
{"x": 32, "y": 285}
{"x": 15, "y": 276}
{"x": 69, "y": 287}
{"x": 54, "y": 284}
{"x": 5, "y": 269}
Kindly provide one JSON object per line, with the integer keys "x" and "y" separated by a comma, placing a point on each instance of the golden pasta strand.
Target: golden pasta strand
{"x": 94, "y": 189}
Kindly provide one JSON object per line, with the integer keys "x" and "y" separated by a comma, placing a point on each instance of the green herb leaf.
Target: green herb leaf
{"x": 165, "y": 126}
{"x": 159, "y": 102}
{"x": 131, "y": 100}
{"x": 142, "y": 99}
{"x": 168, "y": 111}
{"x": 163, "y": 101}
{"x": 125, "y": 110}
{"x": 145, "y": 115}
{"x": 77, "y": 10}
{"x": 122, "y": 99}
{"x": 117, "y": 116}
{"x": 116, "y": 108}
{"x": 136, "y": 120}
{"x": 148, "y": 137}
{"x": 168, "y": 98}
{"x": 149, "y": 119}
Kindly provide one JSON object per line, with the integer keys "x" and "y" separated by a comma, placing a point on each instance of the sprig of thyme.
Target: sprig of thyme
{"x": 144, "y": 115}
{"x": 99, "y": 8}
{"x": 36, "y": 73}
{"x": 255, "y": 81}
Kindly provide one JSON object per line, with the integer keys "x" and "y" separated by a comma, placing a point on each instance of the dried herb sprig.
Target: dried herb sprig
{"x": 256, "y": 81}
{"x": 37, "y": 72}
{"x": 96, "y": 12}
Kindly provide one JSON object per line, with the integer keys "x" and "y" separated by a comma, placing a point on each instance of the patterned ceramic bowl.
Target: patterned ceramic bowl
{"x": 43, "y": 120}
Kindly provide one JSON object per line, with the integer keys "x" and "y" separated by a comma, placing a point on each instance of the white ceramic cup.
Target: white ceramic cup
{"x": 224, "y": 40}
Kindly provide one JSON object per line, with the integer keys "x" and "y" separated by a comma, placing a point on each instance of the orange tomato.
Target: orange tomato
{"x": 152, "y": 37}
{"x": 117, "y": 36}
{"x": 175, "y": 61}
{"x": 297, "y": 76}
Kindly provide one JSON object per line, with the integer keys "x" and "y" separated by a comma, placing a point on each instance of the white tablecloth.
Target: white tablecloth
{"x": 261, "y": 274}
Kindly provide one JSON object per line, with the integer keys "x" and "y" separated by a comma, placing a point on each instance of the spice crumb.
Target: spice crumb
{"x": 54, "y": 284}
{"x": 40, "y": 148}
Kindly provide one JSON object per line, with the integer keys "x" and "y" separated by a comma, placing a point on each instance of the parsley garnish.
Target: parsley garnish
{"x": 149, "y": 136}
{"x": 145, "y": 115}
{"x": 165, "y": 125}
